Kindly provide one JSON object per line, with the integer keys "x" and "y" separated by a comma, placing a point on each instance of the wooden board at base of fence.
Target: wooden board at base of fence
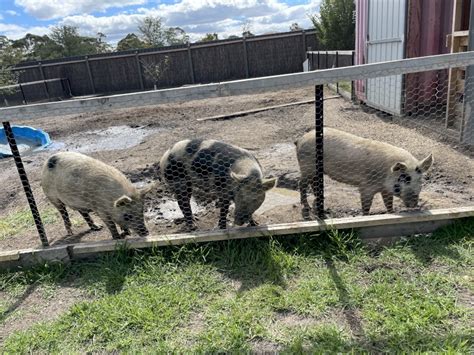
{"x": 368, "y": 227}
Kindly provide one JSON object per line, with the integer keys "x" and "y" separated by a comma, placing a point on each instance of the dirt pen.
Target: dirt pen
{"x": 134, "y": 139}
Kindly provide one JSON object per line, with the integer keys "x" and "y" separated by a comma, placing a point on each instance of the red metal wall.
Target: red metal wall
{"x": 429, "y": 22}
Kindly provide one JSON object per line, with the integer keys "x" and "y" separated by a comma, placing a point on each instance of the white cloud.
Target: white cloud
{"x": 52, "y": 9}
{"x": 196, "y": 17}
{"x": 14, "y": 31}
{"x": 12, "y": 13}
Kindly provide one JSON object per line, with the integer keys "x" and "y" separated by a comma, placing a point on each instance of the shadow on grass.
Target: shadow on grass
{"x": 18, "y": 302}
{"x": 441, "y": 243}
{"x": 349, "y": 312}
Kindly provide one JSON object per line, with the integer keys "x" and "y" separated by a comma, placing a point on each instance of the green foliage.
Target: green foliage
{"x": 295, "y": 27}
{"x": 209, "y": 37}
{"x": 62, "y": 41}
{"x": 316, "y": 293}
{"x": 9, "y": 57}
{"x": 335, "y": 25}
{"x": 154, "y": 71}
{"x": 154, "y": 34}
{"x": 130, "y": 41}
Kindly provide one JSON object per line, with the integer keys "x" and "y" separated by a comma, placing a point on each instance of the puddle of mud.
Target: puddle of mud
{"x": 278, "y": 197}
{"x": 111, "y": 138}
{"x": 167, "y": 210}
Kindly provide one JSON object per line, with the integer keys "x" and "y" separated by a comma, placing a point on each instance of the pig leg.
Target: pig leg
{"x": 65, "y": 216}
{"x": 304, "y": 197}
{"x": 366, "y": 198}
{"x": 388, "y": 201}
{"x": 90, "y": 222}
{"x": 183, "y": 195}
{"x": 223, "y": 204}
{"x": 112, "y": 227}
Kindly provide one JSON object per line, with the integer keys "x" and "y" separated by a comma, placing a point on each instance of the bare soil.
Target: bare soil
{"x": 133, "y": 140}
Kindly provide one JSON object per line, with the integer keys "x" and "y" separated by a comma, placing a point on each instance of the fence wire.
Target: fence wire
{"x": 404, "y": 143}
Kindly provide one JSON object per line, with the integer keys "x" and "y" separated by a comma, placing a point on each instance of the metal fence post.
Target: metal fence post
{"x": 337, "y": 66}
{"x": 25, "y": 183}
{"x": 352, "y": 81}
{"x": 309, "y": 54}
{"x": 318, "y": 123}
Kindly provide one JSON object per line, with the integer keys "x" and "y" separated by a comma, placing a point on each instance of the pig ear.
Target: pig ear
{"x": 143, "y": 191}
{"x": 399, "y": 167}
{"x": 269, "y": 183}
{"x": 426, "y": 163}
{"x": 237, "y": 177}
{"x": 123, "y": 201}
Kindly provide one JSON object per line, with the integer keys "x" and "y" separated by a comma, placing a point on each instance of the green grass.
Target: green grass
{"x": 311, "y": 293}
{"x": 18, "y": 222}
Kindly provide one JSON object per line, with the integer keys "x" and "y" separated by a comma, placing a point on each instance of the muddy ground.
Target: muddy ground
{"x": 133, "y": 140}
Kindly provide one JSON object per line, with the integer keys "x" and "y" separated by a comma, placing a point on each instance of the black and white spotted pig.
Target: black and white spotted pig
{"x": 219, "y": 171}
{"x": 370, "y": 165}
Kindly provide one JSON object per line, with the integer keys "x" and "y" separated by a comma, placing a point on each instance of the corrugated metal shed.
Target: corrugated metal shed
{"x": 427, "y": 23}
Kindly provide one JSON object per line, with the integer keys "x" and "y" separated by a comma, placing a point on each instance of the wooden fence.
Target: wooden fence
{"x": 197, "y": 63}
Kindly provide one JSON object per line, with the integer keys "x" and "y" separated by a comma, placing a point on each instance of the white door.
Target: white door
{"x": 385, "y": 42}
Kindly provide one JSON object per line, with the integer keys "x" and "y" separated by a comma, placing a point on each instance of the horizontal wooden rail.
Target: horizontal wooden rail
{"x": 368, "y": 227}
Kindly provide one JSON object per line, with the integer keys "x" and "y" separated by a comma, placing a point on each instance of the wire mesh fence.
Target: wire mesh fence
{"x": 405, "y": 143}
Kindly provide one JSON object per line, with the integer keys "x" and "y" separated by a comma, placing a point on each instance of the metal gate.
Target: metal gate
{"x": 386, "y": 42}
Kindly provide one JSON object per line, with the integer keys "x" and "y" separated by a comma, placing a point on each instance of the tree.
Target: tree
{"x": 233, "y": 37}
{"x": 130, "y": 41}
{"x": 154, "y": 34}
{"x": 295, "y": 27}
{"x": 246, "y": 30}
{"x": 154, "y": 71}
{"x": 9, "y": 57}
{"x": 209, "y": 37}
{"x": 335, "y": 25}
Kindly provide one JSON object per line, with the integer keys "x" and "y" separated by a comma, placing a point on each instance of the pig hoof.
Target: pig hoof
{"x": 306, "y": 214}
{"x": 191, "y": 227}
{"x": 96, "y": 227}
{"x": 253, "y": 223}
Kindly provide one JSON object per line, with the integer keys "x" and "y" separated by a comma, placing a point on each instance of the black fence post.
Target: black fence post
{"x": 23, "y": 94}
{"x": 246, "y": 61}
{"x": 139, "y": 70}
{"x": 352, "y": 81}
{"x": 318, "y": 123}
{"x": 46, "y": 90}
{"x": 337, "y": 66}
{"x": 309, "y": 55}
{"x": 89, "y": 73}
{"x": 191, "y": 65}
{"x": 25, "y": 183}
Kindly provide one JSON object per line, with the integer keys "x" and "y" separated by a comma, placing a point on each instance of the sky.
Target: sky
{"x": 117, "y": 18}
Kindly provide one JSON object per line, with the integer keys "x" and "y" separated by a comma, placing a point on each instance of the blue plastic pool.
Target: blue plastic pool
{"x": 27, "y": 138}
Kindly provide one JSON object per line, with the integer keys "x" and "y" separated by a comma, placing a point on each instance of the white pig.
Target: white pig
{"x": 370, "y": 165}
{"x": 85, "y": 184}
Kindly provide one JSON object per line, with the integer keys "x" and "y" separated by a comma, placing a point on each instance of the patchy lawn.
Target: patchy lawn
{"x": 312, "y": 293}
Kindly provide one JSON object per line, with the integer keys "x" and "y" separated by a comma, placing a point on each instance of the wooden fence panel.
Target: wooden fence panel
{"x": 211, "y": 62}
{"x": 177, "y": 73}
{"x": 115, "y": 74}
{"x": 218, "y": 63}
